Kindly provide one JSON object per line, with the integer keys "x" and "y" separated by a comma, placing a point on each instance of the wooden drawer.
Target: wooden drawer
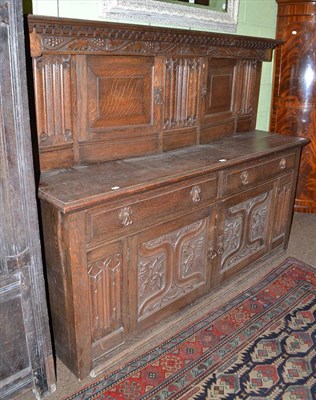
{"x": 241, "y": 177}
{"x": 109, "y": 223}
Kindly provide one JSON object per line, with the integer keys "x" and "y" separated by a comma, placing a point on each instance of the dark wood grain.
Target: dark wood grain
{"x": 132, "y": 91}
{"x": 164, "y": 189}
{"x": 294, "y": 90}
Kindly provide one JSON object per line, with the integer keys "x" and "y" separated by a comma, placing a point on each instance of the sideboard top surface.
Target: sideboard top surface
{"x": 87, "y": 185}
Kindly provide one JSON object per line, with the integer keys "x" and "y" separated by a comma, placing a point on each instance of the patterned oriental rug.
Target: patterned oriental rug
{"x": 261, "y": 345}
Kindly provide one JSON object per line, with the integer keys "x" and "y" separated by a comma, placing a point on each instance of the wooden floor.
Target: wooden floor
{"x": 302, "y": 246}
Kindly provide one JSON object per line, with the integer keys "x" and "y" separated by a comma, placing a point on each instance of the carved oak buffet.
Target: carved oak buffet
{"x": 155, "y": 188}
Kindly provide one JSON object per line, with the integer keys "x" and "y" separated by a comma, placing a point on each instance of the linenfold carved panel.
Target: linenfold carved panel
{"x": 249, "y": 80}
{"x": 245, "y": 229}
{"x": 283, "y": 199}
{"x": 105, "y": 283}
{"x": 52, "y": 75}
{"x": 182, "y": 82}
{"x": 171, "y": 266}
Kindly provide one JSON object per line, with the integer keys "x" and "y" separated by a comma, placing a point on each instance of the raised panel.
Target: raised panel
{"x": 245, "y": 229}
{"x": 219, "y": 90}
{"x": 120, "y": 91}
{"x": 116, "y": 112}
{"x": 170, "y": 267}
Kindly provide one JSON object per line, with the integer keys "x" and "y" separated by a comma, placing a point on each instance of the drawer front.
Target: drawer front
{"x": 241, "y": 177}
{"x": 106, "y": 224}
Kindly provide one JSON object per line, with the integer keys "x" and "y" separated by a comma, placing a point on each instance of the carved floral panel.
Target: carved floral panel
{"x": 245, "y": 229}
{"x": 171, "y": 266}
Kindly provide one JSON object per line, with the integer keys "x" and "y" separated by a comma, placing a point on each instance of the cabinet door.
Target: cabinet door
{"x": 169, "y": 267}
{"x": 242, "y": 231}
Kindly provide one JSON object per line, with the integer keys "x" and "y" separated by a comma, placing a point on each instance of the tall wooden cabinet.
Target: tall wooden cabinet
{"x": 155, "y": 188}
{"x": 26, "y": 360}
{"x": 294, "y": 96}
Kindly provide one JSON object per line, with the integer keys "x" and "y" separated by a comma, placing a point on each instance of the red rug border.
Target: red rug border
{"x": 275, "y": 271}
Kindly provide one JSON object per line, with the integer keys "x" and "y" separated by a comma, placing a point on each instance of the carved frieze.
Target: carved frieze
{"x": 64, "y": 36}
{"x": 105, "y": 283}
{"x": 244, "y": 231}
{"x": 171, "y": 266}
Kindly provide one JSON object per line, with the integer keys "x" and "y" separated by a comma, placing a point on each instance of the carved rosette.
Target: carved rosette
{"x": 171, "y": 266}
{"x": 251, "y": 213}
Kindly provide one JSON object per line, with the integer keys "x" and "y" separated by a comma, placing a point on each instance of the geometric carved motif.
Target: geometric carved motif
{"x": 251, "y": 213}
{"x": 105, "y": 295}
{"x": 171, "y": 266}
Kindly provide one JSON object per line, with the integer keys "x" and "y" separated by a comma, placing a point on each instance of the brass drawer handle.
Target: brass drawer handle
{"x": 282, "y": 163}
{"x": 195, "y": 194}
{"x": 125, "y": 216}
{"x": 244, "y": 178}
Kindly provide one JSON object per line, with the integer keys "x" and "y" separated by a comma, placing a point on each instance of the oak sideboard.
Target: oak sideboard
{"x": 155, "y": 186}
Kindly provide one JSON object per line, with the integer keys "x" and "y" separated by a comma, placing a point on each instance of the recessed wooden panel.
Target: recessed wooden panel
{"x": 282, "y": 217}
{"x": 249, "y": 72}
{"x": 119, "y": 91}
{"x": 181, "y": 92}
{"x": 105, "y": 268}
{"x": 219, "y": 90}
{"x": 179, "y": 138}
{"x": 54, "y": 105}
{"x": 14, "y": 352}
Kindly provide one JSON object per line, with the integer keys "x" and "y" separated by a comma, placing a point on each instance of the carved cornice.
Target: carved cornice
{"x": 59, "y": 35}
